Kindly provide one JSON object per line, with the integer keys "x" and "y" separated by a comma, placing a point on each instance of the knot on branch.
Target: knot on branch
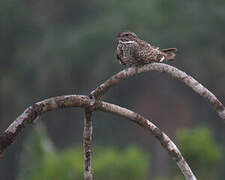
{"x": 92, "y": 94}
{"x": 33, "y": 112}
{"x": 93, "y": 102}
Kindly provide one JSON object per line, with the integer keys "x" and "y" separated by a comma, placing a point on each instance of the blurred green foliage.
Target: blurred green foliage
{"x": 40, "y": 160}
{"x": 201, "y": 151}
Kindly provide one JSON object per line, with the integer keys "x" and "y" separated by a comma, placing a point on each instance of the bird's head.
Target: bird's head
{"x": 127, "y": 36}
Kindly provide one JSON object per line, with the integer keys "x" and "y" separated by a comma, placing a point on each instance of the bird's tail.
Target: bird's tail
{"x": 170, "y": 53}
{"x": 169, "y": 50}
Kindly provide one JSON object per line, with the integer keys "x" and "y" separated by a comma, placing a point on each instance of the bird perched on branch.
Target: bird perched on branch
{"x": 133, "y": 51}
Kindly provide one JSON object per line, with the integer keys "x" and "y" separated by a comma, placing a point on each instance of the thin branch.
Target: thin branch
{"x": 87, "y": 140}
{"x": 55, "y": 103}
{"x": 165, "y": 141}
{"x": 174, "y": 72}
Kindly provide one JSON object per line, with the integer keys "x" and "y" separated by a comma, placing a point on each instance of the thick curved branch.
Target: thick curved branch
{"x": 32, "y": 112}
{"x": 165, "y": 141}
{"x": 160, "y": 67}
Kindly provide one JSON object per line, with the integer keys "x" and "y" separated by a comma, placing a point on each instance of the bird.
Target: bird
{"x": 132, "y": 51}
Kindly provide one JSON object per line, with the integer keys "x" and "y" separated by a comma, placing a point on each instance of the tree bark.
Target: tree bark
{"x": 165, "y": 141}
{"x": 165, "y": 68}
{"x": 93, "y": 102}
{"x": 55, "y": 103}
{"x": 87, "y": 138}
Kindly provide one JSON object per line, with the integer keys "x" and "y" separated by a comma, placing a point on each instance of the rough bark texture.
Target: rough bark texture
{"x": 92, "y": 103}
{"x": 165, "y": 141}
{"x": 160, "y": 67}
{"x": 87, "y": 138}
{"x": 31, "y": 113}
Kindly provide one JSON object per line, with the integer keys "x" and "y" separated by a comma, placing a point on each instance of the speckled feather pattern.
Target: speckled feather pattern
{"x": 135, "y": 51}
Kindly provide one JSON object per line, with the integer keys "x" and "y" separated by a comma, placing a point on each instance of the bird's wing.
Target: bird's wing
{"x": 148, "y": 54}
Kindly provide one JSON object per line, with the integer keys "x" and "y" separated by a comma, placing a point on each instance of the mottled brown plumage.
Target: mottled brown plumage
{"x": 133, "y": 51}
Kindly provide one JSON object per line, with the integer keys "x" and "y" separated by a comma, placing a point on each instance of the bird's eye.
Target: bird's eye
{"x": 126, "y": 34}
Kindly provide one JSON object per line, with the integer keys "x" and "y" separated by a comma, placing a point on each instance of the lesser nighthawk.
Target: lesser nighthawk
{"x": 133, "y": 51}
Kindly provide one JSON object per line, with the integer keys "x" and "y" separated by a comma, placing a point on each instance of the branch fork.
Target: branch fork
{"x": 93, "y": 103}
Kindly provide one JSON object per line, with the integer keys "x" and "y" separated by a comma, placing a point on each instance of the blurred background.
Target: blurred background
{"x": 50, "y": 48}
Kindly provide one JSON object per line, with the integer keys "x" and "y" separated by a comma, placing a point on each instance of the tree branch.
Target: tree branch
{"x": 93, "y": 103}
{"x": 174, "y": 72}
{"x": 87, "y": 138}
{"x": 32, "y": 112}
{"x": 55, "y": 103}
{"x": 165, "y": 141}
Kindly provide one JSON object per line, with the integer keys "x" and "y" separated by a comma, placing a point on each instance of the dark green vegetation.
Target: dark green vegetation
{"x": 40, "y": 159}
{"x": 50, "y": 48}
{"x": 201, "y": 151}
